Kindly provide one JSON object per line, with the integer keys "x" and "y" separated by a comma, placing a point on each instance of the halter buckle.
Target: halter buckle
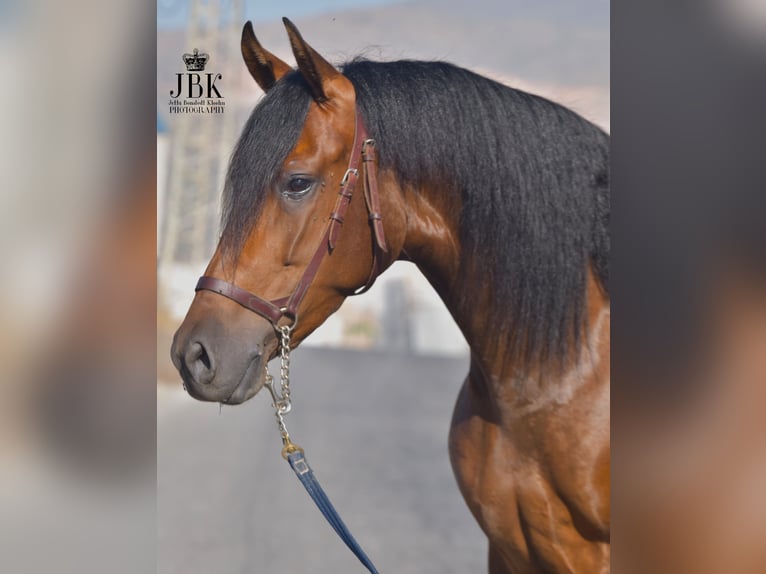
{"x": 347, "y": 174}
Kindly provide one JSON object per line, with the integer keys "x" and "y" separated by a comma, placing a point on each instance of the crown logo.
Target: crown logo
{"x": 195, "y": 62}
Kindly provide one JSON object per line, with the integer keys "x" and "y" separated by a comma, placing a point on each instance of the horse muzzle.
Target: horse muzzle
{"x": 218, "y": 366}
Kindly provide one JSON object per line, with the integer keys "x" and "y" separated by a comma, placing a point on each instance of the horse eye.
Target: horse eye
{"x": 298, "y": 187}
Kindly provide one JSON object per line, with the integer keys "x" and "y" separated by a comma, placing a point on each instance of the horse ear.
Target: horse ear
{"x": 319, "y": 73}
{"x": 264, "y": 66}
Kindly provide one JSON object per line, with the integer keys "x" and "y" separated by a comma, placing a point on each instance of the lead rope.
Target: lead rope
{"x": 294, "y": 454}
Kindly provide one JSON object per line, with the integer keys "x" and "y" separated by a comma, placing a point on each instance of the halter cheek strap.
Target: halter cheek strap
{"x": 285, "y": 310}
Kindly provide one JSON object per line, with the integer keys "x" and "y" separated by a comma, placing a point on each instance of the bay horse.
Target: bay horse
{"x": 501, "y": 199}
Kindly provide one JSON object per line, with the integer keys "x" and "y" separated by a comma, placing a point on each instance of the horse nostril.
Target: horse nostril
{"x": 199, "y": 363}
{"x": 203, "y": 356}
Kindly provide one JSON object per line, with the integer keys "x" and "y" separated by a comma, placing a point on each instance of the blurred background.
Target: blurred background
{"x": 78, "y": 303}
{"x": 374, "y": 387}
{"x": 688, "y": 287}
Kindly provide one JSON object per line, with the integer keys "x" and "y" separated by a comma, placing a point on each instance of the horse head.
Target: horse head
{"x": 281, "y": 261}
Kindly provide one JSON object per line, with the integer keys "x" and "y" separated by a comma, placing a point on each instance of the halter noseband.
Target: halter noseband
{"x": 283, "y": 308}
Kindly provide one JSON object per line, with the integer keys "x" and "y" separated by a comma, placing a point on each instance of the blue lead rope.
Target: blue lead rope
{"x": 304, "y": 473}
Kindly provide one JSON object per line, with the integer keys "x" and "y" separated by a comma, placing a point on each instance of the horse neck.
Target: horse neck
{"x": 432, "y": 242}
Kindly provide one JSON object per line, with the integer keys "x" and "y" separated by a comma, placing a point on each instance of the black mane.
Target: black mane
{"x": 531, "y": 175}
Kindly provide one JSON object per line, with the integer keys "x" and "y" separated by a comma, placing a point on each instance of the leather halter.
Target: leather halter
{"x": 277, "y": 310}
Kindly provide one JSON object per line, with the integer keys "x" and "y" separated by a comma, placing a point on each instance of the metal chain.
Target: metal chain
{"x": 284, "y": 365}
{"x": 282, "y": 402}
